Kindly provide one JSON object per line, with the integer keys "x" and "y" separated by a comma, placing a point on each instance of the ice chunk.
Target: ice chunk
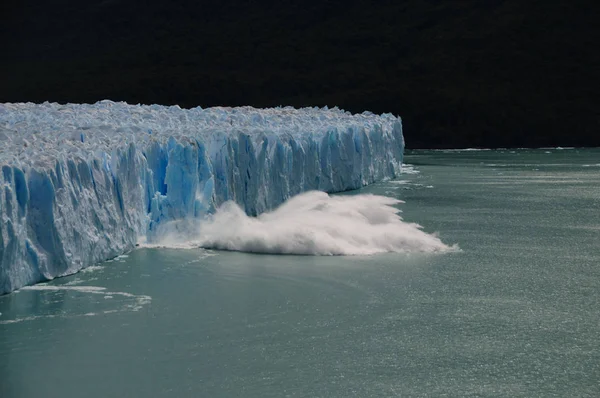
{"x": 81, "y": 184}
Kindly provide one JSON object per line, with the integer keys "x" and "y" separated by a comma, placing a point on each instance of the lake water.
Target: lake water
{"x": 515, "y": 312}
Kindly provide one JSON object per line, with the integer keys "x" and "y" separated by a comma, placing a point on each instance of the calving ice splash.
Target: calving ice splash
{"x": 311, "y": 223}
{"x": 81, "y": 184}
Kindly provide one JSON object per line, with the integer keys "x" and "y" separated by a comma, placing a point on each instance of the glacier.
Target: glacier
{"x": 83, "y": 183}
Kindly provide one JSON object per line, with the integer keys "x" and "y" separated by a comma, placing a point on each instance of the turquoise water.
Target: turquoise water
{"x": 514, "y": 313}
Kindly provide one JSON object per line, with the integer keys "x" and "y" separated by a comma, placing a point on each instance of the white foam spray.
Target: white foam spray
{"x": 311, "y": 223}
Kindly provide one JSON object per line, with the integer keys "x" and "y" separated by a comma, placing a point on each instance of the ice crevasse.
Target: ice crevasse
{"x": 81, "y": 184}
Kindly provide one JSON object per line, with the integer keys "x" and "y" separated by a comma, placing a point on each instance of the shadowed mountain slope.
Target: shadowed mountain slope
{"x": 461, "y": 74}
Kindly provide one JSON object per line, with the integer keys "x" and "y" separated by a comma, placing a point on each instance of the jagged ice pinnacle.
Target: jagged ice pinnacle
{"x": 81, "y": 184}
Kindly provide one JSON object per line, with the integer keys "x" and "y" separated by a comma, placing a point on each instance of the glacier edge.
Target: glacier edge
{"x": 81, "y": 184}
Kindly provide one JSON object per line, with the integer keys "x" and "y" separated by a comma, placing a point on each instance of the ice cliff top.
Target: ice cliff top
{"x": 38, "y": 134}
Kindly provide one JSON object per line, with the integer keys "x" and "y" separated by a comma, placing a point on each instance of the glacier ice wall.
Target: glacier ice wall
{"x": 81, "y": 184}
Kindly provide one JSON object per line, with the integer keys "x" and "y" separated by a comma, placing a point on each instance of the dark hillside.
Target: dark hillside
{"x": 461, "y": 73}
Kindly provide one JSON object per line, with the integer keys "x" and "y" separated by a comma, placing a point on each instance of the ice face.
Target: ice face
{"x": 81, "y": 184}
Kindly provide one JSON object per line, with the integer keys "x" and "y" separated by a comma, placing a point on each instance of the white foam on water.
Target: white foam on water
{"x": 74, "y": 282}
{"x": 27, "y": 318}
{"x": 462, "y": 150}
{"x": 528, "y": 164}
{"x": 81, "y": 289}
{"x": 399, "y": 182}
{"x": 311, "y": 223}
{"x": 135, "y": 303}
{"x": 92, "y": 268}
{"x": 408, "y": 169}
